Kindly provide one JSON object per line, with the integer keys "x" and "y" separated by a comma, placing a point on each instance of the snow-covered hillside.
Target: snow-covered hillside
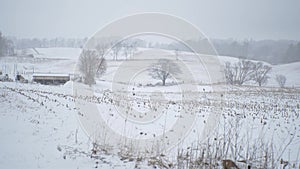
{"x": 291, "y": 71}
{"x": 64, "y": 60}
{"x": 42, "y": 126}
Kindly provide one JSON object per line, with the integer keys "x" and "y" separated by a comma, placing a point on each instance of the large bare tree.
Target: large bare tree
{"x": 245, "y": 70}
{"x": 90, "y": 65}
{"x": 164, "y": 69}
{"x": 240, "y": 72}
{"x": 260, "y": 74}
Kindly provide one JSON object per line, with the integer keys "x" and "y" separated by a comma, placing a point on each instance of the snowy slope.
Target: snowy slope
{"x": 291, "y": 71}
{"x": 58, "y": 53}
{"x": 39, "y": 124}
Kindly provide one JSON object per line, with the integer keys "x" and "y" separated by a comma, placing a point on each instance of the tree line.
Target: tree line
{"x": 9, "y": 45}
{"x": 6, "y": 46}
{"x": 24, "y": 43}
{"x": 272, "y": 51}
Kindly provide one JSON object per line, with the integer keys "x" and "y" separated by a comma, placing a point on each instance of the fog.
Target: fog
{"x": 270, "y": 19}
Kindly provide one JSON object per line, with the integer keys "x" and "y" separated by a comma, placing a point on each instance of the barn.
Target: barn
{"x": 50, "y": 78}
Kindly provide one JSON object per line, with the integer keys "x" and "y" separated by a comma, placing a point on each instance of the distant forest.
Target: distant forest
{"x": 272, "y": 51}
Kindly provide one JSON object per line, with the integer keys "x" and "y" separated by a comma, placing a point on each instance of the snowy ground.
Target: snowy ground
{"x": 40, "y": 128}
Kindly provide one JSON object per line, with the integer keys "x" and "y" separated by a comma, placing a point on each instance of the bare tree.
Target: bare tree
{"x": 230, "y": 75}
{"x": 126, "y": 49}
{"x": 240, "y": 72}
{"x": 281, "y": 79}
{"x": 116, "y": 50}
{"x": 129, "y": 48}
{"x": 163, "y": 69}
{"x": 260, "y": 74}
{"x": 90, "y": 65}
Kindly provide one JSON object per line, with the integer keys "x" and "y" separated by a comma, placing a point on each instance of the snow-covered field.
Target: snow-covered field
{"x": 39, "y": 129}
{"x": 41, "y": 126}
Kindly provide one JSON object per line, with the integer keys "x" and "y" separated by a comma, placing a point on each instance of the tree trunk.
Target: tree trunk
{"x": 164, "y": 82}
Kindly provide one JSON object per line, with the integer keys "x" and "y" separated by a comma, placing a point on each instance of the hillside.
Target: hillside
{"x": 142, "y": 124}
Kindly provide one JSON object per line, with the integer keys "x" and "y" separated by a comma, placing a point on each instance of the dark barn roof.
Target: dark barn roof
{"x": 50, "y": 78}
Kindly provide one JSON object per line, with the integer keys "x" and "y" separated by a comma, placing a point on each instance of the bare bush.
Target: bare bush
{"x": 281, "y": 79}
{"x": 90, "y": 65}
{"x": 164, "y": 69}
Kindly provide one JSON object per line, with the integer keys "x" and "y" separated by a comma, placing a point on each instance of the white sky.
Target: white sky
{"x": 238, "y": 19}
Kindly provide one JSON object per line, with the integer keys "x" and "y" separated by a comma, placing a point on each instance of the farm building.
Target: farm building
{"x": 50, "y": 78}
